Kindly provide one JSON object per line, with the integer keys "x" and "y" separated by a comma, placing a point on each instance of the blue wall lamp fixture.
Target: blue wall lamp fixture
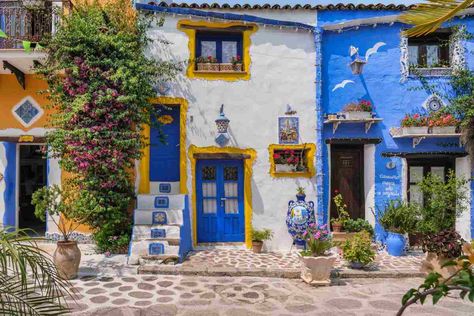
{"x": 222, "y": 123}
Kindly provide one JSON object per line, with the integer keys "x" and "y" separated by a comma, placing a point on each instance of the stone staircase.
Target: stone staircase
{"x": 161, "y": 227}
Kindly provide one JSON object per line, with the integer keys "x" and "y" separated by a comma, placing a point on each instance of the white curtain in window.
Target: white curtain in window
{"x": 229, "y": 50}
{"x": 208, "y": 48}
{"x": 413, "y": 55}
{"x": 432, "y": 55}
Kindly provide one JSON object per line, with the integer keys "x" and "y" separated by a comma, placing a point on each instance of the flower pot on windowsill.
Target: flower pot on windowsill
{"x": 415, "y": 130}
{"x": 434, "y": 263}
{"x": 284, "y": 168}
{"x": 357, "y": 115}
{"x": 238, "y": 67}
{"x": 317, "y": 270}
{"x": 208, "y": 67}
{"x": 226, "y": 67}
{"x": 443, "y": 130}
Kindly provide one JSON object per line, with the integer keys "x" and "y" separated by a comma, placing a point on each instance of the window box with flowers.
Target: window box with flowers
{"x": 292, "y": 160}
{"x": 415, "y": 124}
{"x": 442, "y": 122}
{"x": 358, "y": 110}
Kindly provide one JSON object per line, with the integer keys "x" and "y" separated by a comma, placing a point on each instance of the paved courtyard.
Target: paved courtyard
{"x": 235, "y": 296}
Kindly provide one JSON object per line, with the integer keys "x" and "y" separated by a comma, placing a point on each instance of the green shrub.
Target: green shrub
{"x": 358, "y": 225}
{"x": 262, "y": 234}
{"x": 358, "y": 249}
{"x": 399, "y": 217}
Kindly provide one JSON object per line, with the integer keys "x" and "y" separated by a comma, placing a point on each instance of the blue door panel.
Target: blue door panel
{"x": 219, "y": 196}
{"x": 165, "y": 155}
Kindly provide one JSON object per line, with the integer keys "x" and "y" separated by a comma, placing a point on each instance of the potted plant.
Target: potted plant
{"x": 441, "y": 122}
{"x": 237, "y": 63}
{"x": 59, "y": 206}
{"x": 398, "y": 218}
{"x": 288, "y": 160}
{"x": 358, "y": 110}
{"x": 358, "y": 225}
{"x": 414, "y": 124}
{"x": 342, "y": 214}
{"x": 358, "y": 250}
{"x": 300, "y": 194}
{"x": 258, "y": 237}
{"x": 441, "y": 248}
{"x": 208, "y": 63}
{"x": 317, "y": 261}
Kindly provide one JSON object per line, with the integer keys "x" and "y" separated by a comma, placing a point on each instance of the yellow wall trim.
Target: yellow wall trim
{"x": 144, "y": 185}
{"x": 245, "y": 75}
{"x": 310, "y": 152}
{"x": 248, "y": 169}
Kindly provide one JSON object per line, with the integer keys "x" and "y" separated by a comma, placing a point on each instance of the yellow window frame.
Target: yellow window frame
{"x": 310, "y": 151}
{"x": 183, "y": 25}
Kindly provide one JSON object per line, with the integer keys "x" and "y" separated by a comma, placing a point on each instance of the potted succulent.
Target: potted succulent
{"x": 441, "y": 122}
{"x": 258, "y": 237}
{"x": 358, "y": 110}
{"x": 441, "y": 248}
{"x": 300, "y": 194}
{"x": 59, "y": 206}
{"x": 342, "y": 214}
{"x": 358, "y": 250}
{"x": 208, "y": 63}
{"x": 317, "y": 261}
{"x": 414, "y": 124}
{"x": 398, "y": 218}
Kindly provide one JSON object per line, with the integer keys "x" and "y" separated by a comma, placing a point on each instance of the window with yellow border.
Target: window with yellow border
{"x": 292, "y": 160}
{"x": 218, "y": 51}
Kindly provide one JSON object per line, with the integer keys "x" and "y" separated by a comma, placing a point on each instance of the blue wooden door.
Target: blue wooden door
{"x": 220, "y": 201}
{"x": 165, "y": 145}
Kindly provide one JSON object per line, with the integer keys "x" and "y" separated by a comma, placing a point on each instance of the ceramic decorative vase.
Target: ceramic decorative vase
{"x": 66, "y": 258}
{"x": 395, "y": 244}
{"x": 317, "y": 270}
{"x": 299, "y": 216}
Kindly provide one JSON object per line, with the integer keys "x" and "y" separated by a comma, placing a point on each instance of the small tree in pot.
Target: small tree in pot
{"x": 258, "y": 237}
{"x": 60, "y": 207}
{"x": 342, "y": 214}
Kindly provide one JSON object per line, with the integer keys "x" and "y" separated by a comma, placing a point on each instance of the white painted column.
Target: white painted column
{"x": 369, "y": 182}
{"x": 463, "y": 222}
{"x": 54, "y": 178}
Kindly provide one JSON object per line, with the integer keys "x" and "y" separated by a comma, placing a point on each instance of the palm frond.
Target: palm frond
{"x": 28, "y": 276}
{"x": 429, "y": 16}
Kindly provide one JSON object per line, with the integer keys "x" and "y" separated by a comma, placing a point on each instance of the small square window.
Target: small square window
{"x": 292, "y": 160}
{"x": 219, "y": 51}
{"x": 430, "y": 51}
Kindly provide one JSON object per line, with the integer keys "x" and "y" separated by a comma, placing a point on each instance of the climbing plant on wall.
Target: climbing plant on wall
{"x": 100, "y": 82}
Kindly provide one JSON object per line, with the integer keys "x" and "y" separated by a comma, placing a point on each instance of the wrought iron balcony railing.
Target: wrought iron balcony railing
{"x": 20, "y": 22}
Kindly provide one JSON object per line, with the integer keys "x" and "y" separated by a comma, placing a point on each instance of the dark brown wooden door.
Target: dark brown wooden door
{"x": 347, "y": 177}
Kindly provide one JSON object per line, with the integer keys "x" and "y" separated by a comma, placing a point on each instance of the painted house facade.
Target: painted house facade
{"x": 372, "y": 160}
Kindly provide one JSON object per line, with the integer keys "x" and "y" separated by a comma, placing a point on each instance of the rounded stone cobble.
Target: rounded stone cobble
{"x": 99, "y": 299}
{"x": 120, "y": 301}
{"x": 146, "y": 286}
{"x": 140, "y": 294}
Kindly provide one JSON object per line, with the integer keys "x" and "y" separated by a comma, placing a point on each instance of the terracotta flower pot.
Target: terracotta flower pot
{"x": 67, "y": 257}
{"x": 434, "y": 263}
{"x": 317, "y": 270}
{"x": 257, "y": 246}
{"x": 337, "y": 227}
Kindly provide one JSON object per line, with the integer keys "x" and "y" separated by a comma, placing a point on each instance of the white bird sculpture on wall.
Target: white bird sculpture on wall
{"x": 374, "y": 49}
{"x": 342, "y": 84}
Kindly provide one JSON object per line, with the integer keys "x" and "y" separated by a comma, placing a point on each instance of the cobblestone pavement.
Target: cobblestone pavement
{"x": 238, "y": 262}
{"x": 236, "y": 296}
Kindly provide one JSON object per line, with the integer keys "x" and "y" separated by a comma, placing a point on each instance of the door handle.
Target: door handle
{"x": 223, "y": 202}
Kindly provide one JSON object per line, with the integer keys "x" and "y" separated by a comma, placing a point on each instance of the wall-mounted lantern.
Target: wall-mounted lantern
{"x": 357, "y": 65}
{"x": 222, "y": 123}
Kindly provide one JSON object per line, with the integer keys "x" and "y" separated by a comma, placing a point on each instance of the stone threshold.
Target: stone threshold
{"x": 272, "y": 273}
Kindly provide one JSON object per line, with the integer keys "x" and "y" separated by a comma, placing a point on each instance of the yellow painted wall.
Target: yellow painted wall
{"x": 11, "y": 93}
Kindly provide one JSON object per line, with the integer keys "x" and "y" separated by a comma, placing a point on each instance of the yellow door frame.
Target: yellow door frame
{"x": 248, "y": 169}
{"x": 144, "y": 184}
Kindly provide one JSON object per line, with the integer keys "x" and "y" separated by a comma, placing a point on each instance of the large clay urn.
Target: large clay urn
{"x": 67, "y": 258}
{"x": 317, "y": 270}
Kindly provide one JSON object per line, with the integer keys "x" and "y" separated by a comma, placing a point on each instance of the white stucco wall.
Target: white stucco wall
{"x": 282, "y": 72}
{"x": 463, "y": 222}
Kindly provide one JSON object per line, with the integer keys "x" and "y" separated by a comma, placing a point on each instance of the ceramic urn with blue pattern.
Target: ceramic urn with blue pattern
{"x": 299, "y": 216}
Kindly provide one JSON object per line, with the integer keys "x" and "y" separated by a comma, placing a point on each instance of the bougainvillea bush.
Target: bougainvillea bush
{"x": 100, "y": 84}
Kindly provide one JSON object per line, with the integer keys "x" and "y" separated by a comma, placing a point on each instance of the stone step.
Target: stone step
{"x": 155, "y": 231}
{"x": 166, "y": 202}
{"x": 164, "y": 188}
{"x": 158, "y": 217}
{"x": 159, "y": 259}
{"x": 143, "y": 248}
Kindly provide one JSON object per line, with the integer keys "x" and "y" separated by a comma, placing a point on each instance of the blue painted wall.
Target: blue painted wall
{"x": 9, "y": 195}
{"x": 380, "y": 84}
